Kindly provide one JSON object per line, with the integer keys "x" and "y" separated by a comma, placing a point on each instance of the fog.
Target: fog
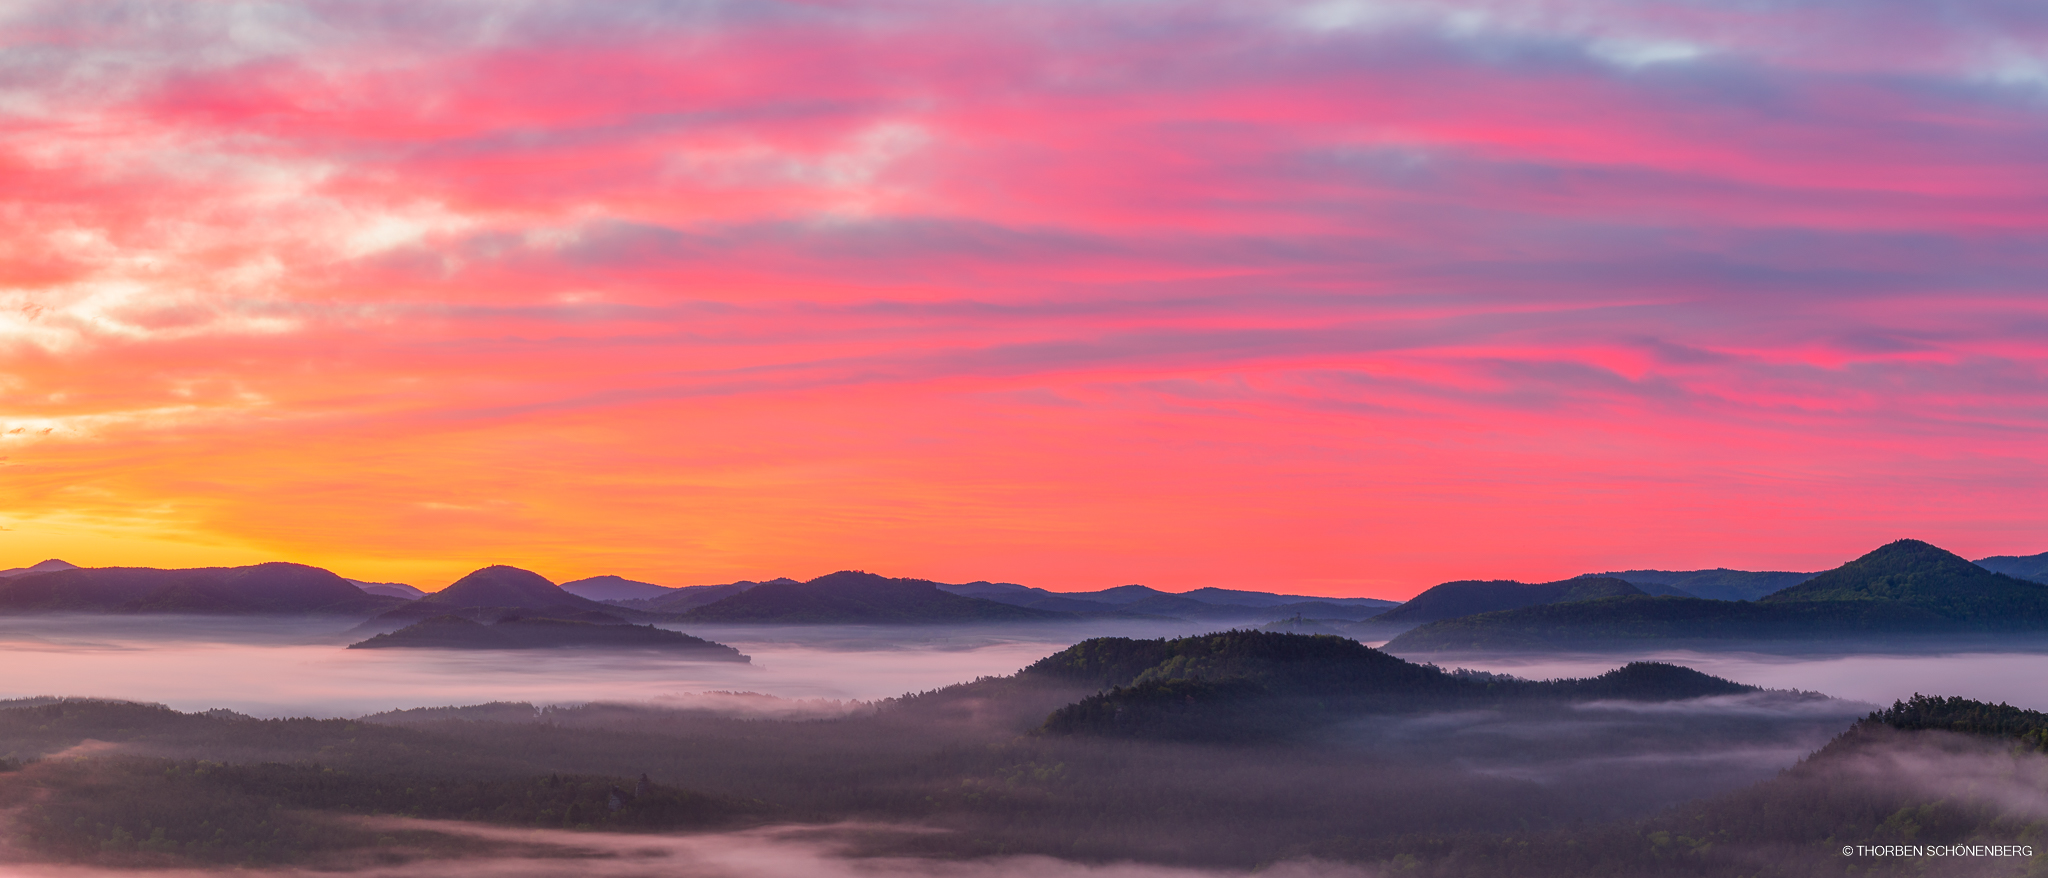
{"x": 1616, "y": 759}
{"x": 271, "y": 667}
{"x": 1988, "y": 674}
{"x": 951, "y": 785}
{"x": 298, "y": 667}
{"x": 772, "y": 852}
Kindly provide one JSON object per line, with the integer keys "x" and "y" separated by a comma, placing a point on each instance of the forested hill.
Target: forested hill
{"x": 1920, "y": 575}
{"x": 1933, "y": 803}
{"x": 1243, "y": 685}
{"x": 1903, "y": 588}
{"x": 1962, "y": 715}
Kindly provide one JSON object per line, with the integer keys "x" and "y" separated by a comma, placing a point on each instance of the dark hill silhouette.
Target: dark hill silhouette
{"x": 273, "y": 588}
{"x": 39, "y": 567}
{"x": 1920, "y": 575}
{"x": 855, "y": 597}
{"x": 1903, "y": 588}
{"x": 456, "y": 632}
{"x": 1720, "y": 584}
{"x": 614, "y": 588}
{"x": 501, "y": 586}
{"x": 1470, "y": 597}
{"x": 1202, "y": 603}
{"x": 2029, "y": 567}
{"x": 1241, "y": 685}
{"x": 499, "y": 592}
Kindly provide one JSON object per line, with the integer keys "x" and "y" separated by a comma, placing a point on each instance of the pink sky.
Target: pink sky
{"x": 1335, "y": 297}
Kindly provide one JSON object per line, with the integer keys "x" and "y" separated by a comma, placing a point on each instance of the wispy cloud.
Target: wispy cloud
{"x": 1324, "y": 288}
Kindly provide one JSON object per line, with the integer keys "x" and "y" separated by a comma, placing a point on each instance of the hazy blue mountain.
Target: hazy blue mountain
{"x": 1201, "y": 603}
{"x": 995, "y": 591}
{"x": 1024, "y": 595}
{"x": 456, "y": 632}
{"x": 1471, "y": 597}
{"x": 39, "y": 567}
{"x": 1169, "y": 605}
{"x": 690, "y": 597}
{"x": 855, "y": 597}
{"x": 1719, "y": 584}
{"x": 389, "y": 589}
{"x": 1236, "y": 597}
{"x": 2030, "y": 567}
{"x": 614, "y": 588}
{"x": 1302, "y": 625}
{"x": 1349, "y": 611}
{"x": 1122, "y": 594}
{"x": 1059, "y": 604}
{"x": 261, "y": 588}
{"x": 1904, "y": 588}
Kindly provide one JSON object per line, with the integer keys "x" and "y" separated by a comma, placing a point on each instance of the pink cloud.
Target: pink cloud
{"x": 1352, "y": 299}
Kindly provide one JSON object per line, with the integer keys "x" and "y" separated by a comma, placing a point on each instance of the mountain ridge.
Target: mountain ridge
{"x": 1906, "y": 587}
{"x": 275, "y": 587}
{"x": 1470, "y": 597}
{"x": 858, "y": 597}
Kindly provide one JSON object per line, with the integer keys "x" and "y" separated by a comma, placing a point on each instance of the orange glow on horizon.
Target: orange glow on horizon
{"x": 1270, "y": 298}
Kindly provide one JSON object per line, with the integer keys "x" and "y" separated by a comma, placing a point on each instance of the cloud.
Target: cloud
{"x": 1523, "y": 267}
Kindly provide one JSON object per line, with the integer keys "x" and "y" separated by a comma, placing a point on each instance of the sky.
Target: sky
{"x": 1344, "y": 297}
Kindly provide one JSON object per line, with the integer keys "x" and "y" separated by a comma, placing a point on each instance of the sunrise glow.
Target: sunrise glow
{"x": 1341, "y": 298}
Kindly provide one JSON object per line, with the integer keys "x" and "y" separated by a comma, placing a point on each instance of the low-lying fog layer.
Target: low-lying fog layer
{"x": 2016, "y": 678}
{"x": 1629, "y": 757}
{"x": 297, "y": 667}
{"x": 774, "y": 852}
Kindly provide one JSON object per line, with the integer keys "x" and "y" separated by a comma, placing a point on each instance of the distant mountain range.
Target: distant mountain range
{"x": 275, "y": 588}
{"x": 1217, "y": 604}
{"x": 1453, "y": 599}
{"x": 1904, "y": 588}
{"x": 690, "y": 597}
{"x": 852, "y": 596}
{"x": 2033, "y": 567}
{"x": 389, "y": 589}
{"x": 500, "y": 592}
{"x": 858, "y": 598}
{"x": 1127, "y": 601}
{"x": 49, "y": 566}
{"x": 614, "y": 588}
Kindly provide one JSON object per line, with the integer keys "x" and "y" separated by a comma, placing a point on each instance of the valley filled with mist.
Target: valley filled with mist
{"x": 858, "y": 724}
